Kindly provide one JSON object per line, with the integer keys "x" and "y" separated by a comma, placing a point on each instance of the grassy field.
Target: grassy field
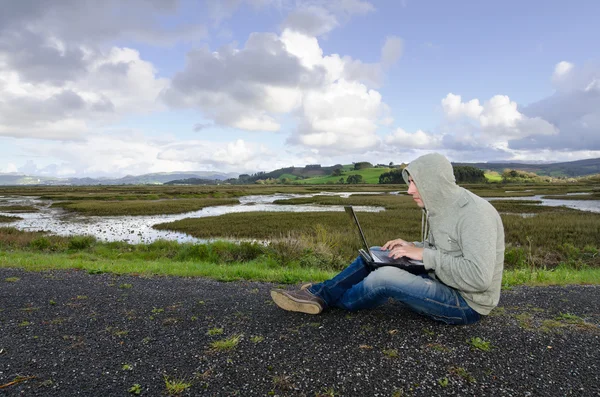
{"x": 544, "y": 244}
{"x": 370, "y": 175}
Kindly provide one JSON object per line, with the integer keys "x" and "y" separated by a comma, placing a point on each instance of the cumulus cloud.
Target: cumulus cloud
{"x": 59, "y": 80}
{"x": 498, "y": 119}
{"x": 252, "y": 88}
{"x": 243, "y": 88}
{"x": 113, "y": 84}
{"x": 341, "y": 116}
{"x": 561, "y": 70}
{"x": 574, "y": 109}
{"x": 91, "y": 22}
{"x": 311, "y": 21}
{"x": 417, "y": 140}
{"x": 316, "y": 18}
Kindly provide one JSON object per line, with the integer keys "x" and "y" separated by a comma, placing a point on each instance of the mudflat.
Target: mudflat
{"x": 69, "y": 333}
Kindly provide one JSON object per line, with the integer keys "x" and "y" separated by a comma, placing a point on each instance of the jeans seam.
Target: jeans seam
{"x": 463, "y": 316}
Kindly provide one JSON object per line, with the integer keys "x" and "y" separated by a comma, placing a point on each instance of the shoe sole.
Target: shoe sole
{"x": 288, "y": 303}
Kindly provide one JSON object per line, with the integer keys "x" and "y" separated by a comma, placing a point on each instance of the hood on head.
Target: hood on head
{"x": 434, "y": 178}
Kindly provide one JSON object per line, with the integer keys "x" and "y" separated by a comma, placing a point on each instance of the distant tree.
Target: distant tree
{"x": 354, "y": 179}
{"x": 336, "y": 172}
{"x": 362, "y": 165}
{"x": 341, "y": 180}
{"x": 313, "y": 167}
{"x": 468, "y": 174}
{"x": 391, "y": 164}
{"x": 392, "y": 177}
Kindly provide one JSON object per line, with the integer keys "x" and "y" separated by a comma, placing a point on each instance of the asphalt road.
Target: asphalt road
{"x": 69, "y": 333}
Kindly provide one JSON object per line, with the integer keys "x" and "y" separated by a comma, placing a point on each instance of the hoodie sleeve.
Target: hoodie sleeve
{"x": 471, "y": 269}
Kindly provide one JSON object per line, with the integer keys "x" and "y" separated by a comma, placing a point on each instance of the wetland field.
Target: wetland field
{"x": 278, "y": 233}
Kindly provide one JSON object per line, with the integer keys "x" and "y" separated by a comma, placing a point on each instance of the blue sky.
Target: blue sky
{"x": 252, "y": 85}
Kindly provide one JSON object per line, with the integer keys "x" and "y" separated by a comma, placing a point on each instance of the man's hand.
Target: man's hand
{"x": 409, "y": 250}
{"x": 396, "y": 243}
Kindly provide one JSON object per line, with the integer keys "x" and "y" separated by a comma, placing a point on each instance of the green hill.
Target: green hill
{"x": 369, "y": 175}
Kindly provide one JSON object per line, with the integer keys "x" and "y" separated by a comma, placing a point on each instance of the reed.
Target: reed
{"x": 142, "y": 207}
{"x": 8, "y": 219}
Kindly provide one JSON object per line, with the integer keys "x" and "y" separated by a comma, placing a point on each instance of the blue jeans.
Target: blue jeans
{"x": 357, "y": 287}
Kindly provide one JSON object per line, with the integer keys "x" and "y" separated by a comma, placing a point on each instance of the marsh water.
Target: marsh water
{"x": 139, "y": 229}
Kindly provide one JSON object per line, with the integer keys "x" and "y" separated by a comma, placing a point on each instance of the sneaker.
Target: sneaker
{"x": 306, "y": 286}
{"x": 298, "y": 301}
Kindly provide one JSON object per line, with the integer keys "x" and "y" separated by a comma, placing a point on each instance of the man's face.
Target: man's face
{"x": 414, "y": 192}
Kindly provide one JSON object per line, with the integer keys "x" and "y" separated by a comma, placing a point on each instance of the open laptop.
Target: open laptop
{"x": 377, "y": 257}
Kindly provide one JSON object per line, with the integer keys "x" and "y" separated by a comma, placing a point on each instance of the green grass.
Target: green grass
{"x": 226, "y": 344}
{"x": 176, "y": 386}
{"x": 141, "y": 207}
{"x": 8, "y": 219}
{"x": 480, "y": 344}
{"x": 259, "y": 271}
{"x": 493, "y": 177}
{"x": 370, "y": 176}
{"x": 18, "y": 208}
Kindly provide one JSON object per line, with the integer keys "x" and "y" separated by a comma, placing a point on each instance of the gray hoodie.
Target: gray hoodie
{"x": 464, "y": 245}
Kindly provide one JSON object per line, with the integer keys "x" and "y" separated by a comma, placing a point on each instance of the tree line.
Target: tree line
{"x": 462, "y": 174}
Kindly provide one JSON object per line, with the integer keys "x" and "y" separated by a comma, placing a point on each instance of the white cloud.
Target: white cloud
{"x": 391, "y": 51}
{"x": 454, "y": 107}
{"x": 311, "y": 21}
{"x": 111, "y": 85}
{"x": 417, "y": 140}
{"x": 252, "y": 88}
{"x": 574, "y": 109}
{"x": 498, "y": 119}
{"x": 10, "y": 167}
{"x": 316, "y": 18}
{"x": 561, "y": 70}
{"x": 131, "y": 152}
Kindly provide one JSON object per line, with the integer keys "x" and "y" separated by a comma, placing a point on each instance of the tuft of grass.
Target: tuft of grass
{"x": 135, "y": 389}
{"x": 525, "y": 320}
{"x": 215, "y": 331}
{"x": 125, "y": 286}
{"x": 391, "y": 353}
{"x": 226, "y": 344}
{"x": 12, "y": 279}
{"x": 481, "y": 344}
{"x": 329, "y": 392}
{"x": 257, "y": 339}
{"x": 176, "y": 386}
{"x": 462, "y": 373}
{"x": 570, "y": 318}
{"x": 551, "y": 325}
{"x": 443, "y": 382}
{"x": 283, "y": 382}
{"x": 127, "y": 367}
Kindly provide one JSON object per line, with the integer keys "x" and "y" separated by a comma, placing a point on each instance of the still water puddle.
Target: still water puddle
{"x": 138, "y": 229}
